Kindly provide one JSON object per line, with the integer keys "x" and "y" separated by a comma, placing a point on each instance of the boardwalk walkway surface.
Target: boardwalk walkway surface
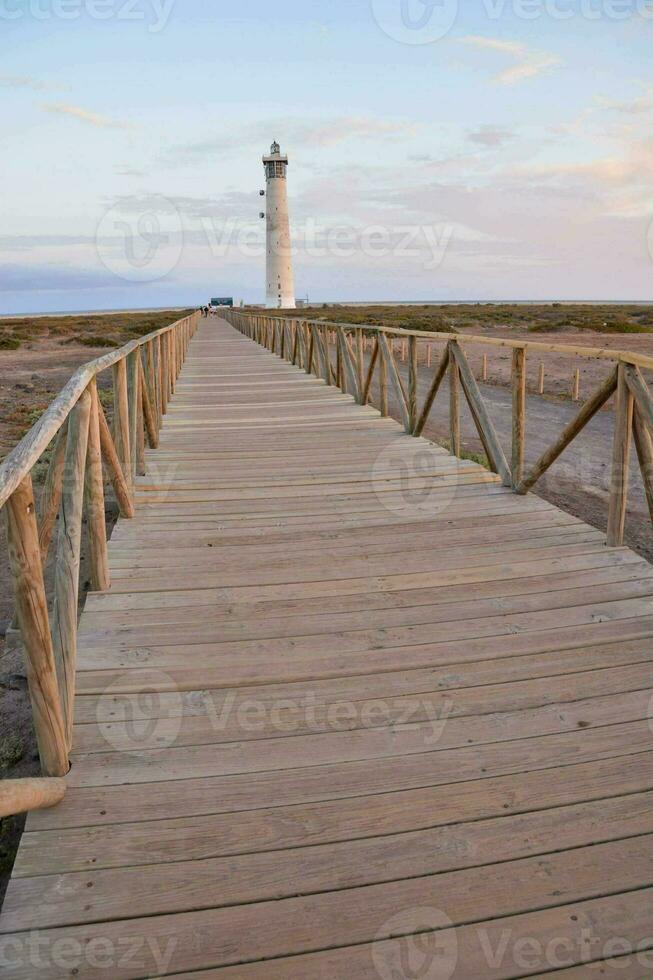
{"x": 345, "y": 689}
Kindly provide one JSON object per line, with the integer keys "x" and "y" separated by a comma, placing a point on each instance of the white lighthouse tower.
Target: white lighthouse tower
{"x": 280, "y": 283}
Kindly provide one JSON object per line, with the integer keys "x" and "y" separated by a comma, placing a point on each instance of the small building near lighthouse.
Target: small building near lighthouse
{"x": 280, "y": 282}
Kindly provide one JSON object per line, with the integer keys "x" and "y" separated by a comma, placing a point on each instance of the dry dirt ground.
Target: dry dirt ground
{"x": 37, "y": 357}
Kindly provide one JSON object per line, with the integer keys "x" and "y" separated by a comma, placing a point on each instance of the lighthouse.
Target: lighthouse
{"x": 280, "y": 284}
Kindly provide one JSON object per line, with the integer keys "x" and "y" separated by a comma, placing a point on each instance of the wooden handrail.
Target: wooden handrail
{"x": 145, "y": 373}
{"x": 589, "y": 353}
{"x": 633, "y": 413}
{"x": 20, "y": 461}
{"x": 22, "y": 795}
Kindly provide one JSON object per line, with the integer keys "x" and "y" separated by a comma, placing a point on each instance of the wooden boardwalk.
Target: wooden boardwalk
{"x": 351, "y": 709}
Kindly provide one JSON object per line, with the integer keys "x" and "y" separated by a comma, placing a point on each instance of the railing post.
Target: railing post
{"x": 518, "y": 415}
{"x": 97, "y": 528}
{"x": 163, "y": 374}
{"x": 383, "y": 380}
{"x": 412, "y": 383}
{"x": 623, "y": 428}
{"x": 121, "y": 418}
{"x": 66, "y": 576}
{"x": 32, "y": 610}
{"x": 454, "y": 404}
{"x": 360, "y": 360}
{"x": 133, "y": 396}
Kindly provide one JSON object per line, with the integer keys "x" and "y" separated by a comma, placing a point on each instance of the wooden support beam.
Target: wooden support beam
{"x": 569, "y": 433}
{"x": 112, "y": 462}
{"x": 518, "y": 415}
{"x": 367, "y": 384}
{"x": 22, "y": 795}
{"x": 623, "y": 430}
{"x": 94, "y": 489}
{"x": 481, "y": 417}
{"x": 66, "y": 575}
{"x": 640, "y": 390}
{"x": 32, "y": 611}
{"x": 51, "y": 496}
{"x": 328, "y": 370}
{"x": 644, "y": 446}
{"x": 148, "y": 412}
{"x": 432, "y": 392}
{"x": 347, "y": 366}
{"x": 393, "y": 374}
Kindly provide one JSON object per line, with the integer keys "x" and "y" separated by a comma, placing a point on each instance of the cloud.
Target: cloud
{"x": 22, "y": 81}
{"x": 130, "y": 172}
{"x": 529, "y": 62}
{"x": 37, "y": 278}
{"x": 297, "y": 132}
{"x": 633, "y": 107}
{"x": 490, "y": 136}
{"x": 91, "y": 118}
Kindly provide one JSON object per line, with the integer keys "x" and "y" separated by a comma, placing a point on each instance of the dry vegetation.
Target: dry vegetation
{"x": 480, "y": 317}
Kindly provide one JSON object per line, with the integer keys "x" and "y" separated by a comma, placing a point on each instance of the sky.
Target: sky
{"x": 439, "y": 149}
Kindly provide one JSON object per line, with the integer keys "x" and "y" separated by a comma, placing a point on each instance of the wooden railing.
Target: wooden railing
{"x": 144, "y": 377}
{"x": 310, "y": 343}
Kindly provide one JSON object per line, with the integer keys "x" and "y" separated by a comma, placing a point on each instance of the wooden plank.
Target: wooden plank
{"x": 264, "y": 930}
{"x": 168, "y": 887}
